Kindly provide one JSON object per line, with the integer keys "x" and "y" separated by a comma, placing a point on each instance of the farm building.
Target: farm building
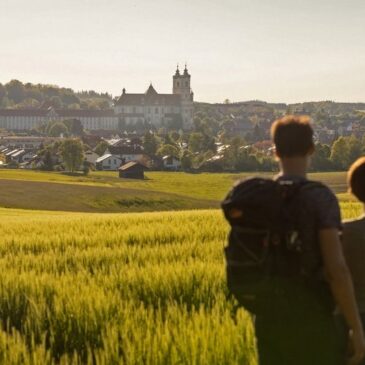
{"x": 132, "y": 170}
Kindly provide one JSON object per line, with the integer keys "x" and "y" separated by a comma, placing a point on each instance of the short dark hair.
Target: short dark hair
{"x": 356, "y": 179}
{"x": 292, "y": 136}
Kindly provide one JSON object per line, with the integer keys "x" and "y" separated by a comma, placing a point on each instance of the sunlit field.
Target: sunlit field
{"x": 118, "y": 289}
{"x": 143, "y": 288}
{"x": 103, "y": 191}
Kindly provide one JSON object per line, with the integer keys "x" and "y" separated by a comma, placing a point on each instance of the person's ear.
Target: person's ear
{"x": 311, "y": 150}
{"x": 276, "y": 156}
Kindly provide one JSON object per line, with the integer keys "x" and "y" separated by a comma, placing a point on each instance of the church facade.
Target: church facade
{"x": 152, "y": 108}
{"x": 157, "y": 109}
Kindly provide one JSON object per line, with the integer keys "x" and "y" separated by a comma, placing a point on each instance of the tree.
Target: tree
{"x": 101, "y": 147}
{"x": 150, "y": 144}
{"x": 2, "y": 91}
{"x": 48, "y": 161}
{"x": 321, "y": 158}
{"x": 196, "y": 142}
{"x": 74, "y": 127}
{"x": 345, "y": 150}
{"x": 56, "y": 102}
{"x": 354, "y": 149}
{"x": 186, "y": 161}
{"x": 72, "y": 153}
{"x": 168, "y": 150}
{"x": 57, "y": 129}
{"x": 28, "y": 104}
{"x": 339, "y": 153}
{"x": 16, "y": 90}
{"x": 86, "y": 167}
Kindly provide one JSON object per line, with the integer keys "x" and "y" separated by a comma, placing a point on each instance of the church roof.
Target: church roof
{"x": 150, "y": 97}
{"x": 151, "y": 91}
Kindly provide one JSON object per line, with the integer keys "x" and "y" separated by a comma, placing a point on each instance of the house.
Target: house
{"x": 108, "y": 162}
{"x": 9, "y": 153}
{"x": 127, "y": 153}
{"x": 27, "y": 142}
{"x": 91, "y": 157}
{"x": 28, "y": 156}
{"x": 17, "y": 156}
{"x": 171, "y": 163}
{"x": 132, "y": 170}
{"x": 2, "y": 157}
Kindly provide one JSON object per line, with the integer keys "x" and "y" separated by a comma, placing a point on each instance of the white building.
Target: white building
{"x": 151, "y": 108}
{"x": 171, "y": 163}
{"x": 159, "y": 109}
{"x": 127, "y": 153}
{"x": 108, "y": 162}
{"x": 26, "y": 119}
{"x": 91, "y": 156}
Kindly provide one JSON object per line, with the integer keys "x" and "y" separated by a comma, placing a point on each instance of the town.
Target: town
{"x": 157, "y": 131}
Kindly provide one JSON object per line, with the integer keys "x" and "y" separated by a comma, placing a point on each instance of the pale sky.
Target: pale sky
{"x": 273, "y": 50}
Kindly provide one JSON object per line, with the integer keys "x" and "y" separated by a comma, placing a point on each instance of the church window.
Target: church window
{"x": 177, "y": 83}
{"x": 186, "y": 83}
{"x": 156, "y": 110}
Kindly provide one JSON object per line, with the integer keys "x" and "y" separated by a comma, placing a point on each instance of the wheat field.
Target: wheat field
{"x": 143, "y": 288}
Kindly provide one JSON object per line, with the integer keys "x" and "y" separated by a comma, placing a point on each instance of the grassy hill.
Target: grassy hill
{"x": 105, "y": 192}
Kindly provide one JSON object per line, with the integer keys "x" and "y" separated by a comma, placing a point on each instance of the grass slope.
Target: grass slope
{"x": 104, "y": 191}
{"x": 73, "y": 197}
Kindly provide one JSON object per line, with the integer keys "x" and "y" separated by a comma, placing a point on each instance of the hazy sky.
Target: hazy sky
{"x": 274, "y": 50}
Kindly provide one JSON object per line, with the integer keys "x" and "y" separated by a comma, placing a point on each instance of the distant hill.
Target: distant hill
{"x": 16, "y": 94}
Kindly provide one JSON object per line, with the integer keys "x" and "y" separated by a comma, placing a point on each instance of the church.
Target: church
{"x": 157, "y": 109}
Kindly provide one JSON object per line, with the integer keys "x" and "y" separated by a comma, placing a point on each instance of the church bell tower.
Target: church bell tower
{"x": 181, "y": 86}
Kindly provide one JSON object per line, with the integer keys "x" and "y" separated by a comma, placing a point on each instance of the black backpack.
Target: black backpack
{"x": 272, "y": 228}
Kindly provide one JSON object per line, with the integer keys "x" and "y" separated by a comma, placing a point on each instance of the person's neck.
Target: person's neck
{"x": 296, "y": 166}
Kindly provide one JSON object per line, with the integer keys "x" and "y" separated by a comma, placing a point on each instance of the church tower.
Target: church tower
{"x": 181, "y": 86}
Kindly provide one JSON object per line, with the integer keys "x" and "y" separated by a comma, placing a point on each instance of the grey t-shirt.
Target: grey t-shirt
{"x": 322, "y": 207}
{"x": 354, "y": 250}
{"x": 319, "y": 209}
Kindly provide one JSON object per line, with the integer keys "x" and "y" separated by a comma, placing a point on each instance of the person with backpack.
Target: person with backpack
{"x": 284, "y": 258}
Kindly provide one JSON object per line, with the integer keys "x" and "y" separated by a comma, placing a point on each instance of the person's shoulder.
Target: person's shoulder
{"x": 354, "y": 225}
{"x": 319, "y": 189}
{"x": 353, "y": 234}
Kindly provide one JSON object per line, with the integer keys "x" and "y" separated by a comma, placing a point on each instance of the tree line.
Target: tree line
{"x": 16, "y": 94}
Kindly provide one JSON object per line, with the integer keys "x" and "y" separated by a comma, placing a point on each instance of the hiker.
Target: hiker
{"x": 285, "y": 262}
{"x": 354, "y": 236}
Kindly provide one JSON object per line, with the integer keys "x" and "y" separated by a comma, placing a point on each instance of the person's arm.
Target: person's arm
{"x": 341, "y": 285}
